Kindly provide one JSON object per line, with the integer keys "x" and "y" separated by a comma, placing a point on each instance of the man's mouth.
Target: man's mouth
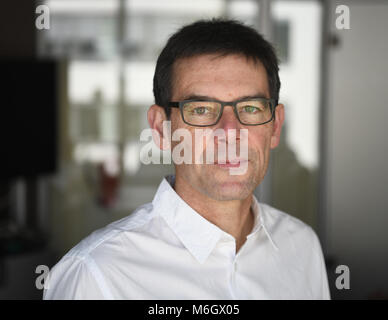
{"x": 231, "y": 164}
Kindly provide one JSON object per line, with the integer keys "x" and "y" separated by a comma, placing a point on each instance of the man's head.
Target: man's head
{"x": 219, "y": 37}
{"x": 227, "y": 61}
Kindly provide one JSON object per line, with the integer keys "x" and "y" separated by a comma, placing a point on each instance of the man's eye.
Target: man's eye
{"x": 250, "y": 109}
{"x": 200, "y": 110}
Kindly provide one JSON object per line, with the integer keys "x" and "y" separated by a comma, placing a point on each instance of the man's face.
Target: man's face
{"x": 227, "y": 78}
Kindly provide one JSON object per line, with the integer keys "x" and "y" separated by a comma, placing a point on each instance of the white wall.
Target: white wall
{"x": 356, "y": 159}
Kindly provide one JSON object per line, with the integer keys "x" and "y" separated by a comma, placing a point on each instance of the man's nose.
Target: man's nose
{"x": 228, "y": 119}
{"x": 228, "y": 122}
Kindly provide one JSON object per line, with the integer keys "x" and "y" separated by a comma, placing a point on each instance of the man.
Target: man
{"x": 205, "y": 235}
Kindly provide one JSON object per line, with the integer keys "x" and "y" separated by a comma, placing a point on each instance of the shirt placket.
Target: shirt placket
{"x": 233, "y": 261}
{"x": 228, "y": 247}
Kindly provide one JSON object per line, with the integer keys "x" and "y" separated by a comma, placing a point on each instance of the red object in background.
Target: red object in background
{"x": 108, "y": 187}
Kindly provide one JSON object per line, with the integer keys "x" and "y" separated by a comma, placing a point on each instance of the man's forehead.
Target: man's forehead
{"x": 213, "y": 60}
{"x": 195, "y": 96}
{"x": 194, "y": 76}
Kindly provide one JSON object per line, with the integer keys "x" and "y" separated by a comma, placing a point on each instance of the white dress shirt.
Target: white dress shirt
{"x": 166, "y": 250}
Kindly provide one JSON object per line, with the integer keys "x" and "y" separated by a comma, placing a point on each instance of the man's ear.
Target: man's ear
{"x": 277, "y": 125}
{"x": 156, "y": 116}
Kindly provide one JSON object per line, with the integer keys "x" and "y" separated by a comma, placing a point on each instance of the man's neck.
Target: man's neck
{"x": 234, "y": 217}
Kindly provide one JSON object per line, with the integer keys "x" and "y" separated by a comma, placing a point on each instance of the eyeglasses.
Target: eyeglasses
{"x": 204, "y": 113}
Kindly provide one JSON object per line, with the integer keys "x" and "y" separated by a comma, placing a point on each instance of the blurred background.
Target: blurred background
{"x": 74, "y": 101}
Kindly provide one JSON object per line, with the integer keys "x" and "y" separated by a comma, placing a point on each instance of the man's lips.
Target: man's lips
{"x": 231, "y": 164}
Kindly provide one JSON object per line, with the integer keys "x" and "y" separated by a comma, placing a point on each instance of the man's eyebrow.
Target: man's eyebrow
{"x": 204, "y": 98}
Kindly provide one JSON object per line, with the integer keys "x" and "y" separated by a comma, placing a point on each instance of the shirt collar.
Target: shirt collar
{"x": 197, "y": 234}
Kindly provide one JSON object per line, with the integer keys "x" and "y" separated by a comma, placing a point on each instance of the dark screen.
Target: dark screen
{"x": 28, "y": 120}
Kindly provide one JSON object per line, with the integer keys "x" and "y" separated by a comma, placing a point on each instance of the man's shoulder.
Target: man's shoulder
{"x": 110, "y": 233}
{"x": 80, "y": 267}
{"x": 284, "y": 224}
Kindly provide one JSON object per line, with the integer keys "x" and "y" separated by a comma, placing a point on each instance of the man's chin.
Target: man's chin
{"x": 227, "y": 174}
{"x": 229, "y": 191}
{"x": 223, "y": 186}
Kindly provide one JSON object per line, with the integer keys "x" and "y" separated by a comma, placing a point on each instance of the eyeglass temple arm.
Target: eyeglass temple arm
{"x": 174, "y": 104}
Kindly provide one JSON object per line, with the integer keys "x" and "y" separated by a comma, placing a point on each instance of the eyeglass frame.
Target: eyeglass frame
{"x": 179, "y": 104}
